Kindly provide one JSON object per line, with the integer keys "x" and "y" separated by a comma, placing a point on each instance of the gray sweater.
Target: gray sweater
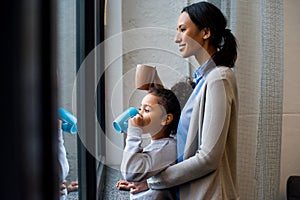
{"x": 142, "y": 163}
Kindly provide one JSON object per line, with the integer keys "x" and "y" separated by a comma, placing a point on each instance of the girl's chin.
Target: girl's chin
{"x": 151, "y": 130}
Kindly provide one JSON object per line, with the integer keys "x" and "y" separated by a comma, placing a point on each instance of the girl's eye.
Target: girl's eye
{"x": 146, "y": 110}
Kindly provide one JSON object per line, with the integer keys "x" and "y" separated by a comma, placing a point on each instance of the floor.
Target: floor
{"x": 73, "y": 196}
{"x": 110, "y": 191}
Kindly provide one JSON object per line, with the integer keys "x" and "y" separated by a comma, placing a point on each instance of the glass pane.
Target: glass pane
{"x": 66, "y": 56}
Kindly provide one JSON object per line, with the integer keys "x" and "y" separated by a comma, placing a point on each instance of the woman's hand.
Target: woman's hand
{"x": 134, "y": 187}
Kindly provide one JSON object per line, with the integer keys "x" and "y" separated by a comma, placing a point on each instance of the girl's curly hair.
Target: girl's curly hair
{"x": 169, "y": 101}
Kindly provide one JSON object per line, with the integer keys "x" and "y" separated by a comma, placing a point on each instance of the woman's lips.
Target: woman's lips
{"x": 181, "y": 47}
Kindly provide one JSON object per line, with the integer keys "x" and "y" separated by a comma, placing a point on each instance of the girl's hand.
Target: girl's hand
{"x": 59, "y": 123}
{"x": 73, "y": 186}
{"x": 136, "y": 121}
{"x": 124, "y": 185}
{"x": 134, "y": 187}
{"x": 62, "y": 187}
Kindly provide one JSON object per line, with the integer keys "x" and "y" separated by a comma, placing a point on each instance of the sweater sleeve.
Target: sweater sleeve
{"x": 62, "y": 157}
{"x": 139, "y": 164}
{"x": 211, "y": 148}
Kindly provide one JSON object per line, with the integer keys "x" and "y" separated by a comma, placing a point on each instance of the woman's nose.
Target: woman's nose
{"x": 177, "y": 38}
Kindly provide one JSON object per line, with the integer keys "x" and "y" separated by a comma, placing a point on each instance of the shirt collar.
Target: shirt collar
{"x": 203, "y": 70}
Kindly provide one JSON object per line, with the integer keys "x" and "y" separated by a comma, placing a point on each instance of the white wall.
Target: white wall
{"x": 145, "y": 35}
{"x": 290, "y": 159}
{"x": 149, "y": 38}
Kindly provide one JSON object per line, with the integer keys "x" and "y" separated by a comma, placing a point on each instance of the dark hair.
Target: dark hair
{"x": 206, "y": 15}
{"x": 169, "y": 101}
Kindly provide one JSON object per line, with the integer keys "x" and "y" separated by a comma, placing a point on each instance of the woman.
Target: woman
{"x": 207, "y": 130}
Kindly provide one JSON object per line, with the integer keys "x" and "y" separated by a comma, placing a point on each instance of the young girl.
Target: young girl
{"x": 159, "y": 116}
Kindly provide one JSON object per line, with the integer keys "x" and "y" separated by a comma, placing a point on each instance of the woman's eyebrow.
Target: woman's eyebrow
{"x": 180, "y": 26}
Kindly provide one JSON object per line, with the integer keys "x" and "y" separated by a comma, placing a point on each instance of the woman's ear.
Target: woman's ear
{"x": 206, "y": 33}
{"x": 168, "y": 119}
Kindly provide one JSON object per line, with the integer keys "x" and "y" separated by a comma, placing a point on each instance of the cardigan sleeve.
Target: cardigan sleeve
{"x": 217, "y": 102}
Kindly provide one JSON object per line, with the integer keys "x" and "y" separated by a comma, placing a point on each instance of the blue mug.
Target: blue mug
{"x": 68, "y": 121}
{"x": 121, "y": 122}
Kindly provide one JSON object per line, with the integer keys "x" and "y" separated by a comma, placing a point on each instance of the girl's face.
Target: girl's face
{"x": 188, "y": 37}
{"x": 153, "y": 114}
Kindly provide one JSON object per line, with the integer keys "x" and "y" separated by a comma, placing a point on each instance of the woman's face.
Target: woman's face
{"x": 188, "y": 37}
{"x": 152, "y": 113}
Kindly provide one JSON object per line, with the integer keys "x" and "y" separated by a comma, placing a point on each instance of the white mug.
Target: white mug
{"x": 145, "y": 76}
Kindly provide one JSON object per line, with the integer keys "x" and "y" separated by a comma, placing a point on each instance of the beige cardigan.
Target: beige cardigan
{"x": 208, "y": 170}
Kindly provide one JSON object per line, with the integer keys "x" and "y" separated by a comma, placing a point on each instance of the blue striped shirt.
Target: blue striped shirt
{"x": 184, "y": 122}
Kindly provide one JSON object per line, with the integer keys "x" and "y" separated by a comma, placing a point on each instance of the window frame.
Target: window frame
{"x": 90, "y": 33}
